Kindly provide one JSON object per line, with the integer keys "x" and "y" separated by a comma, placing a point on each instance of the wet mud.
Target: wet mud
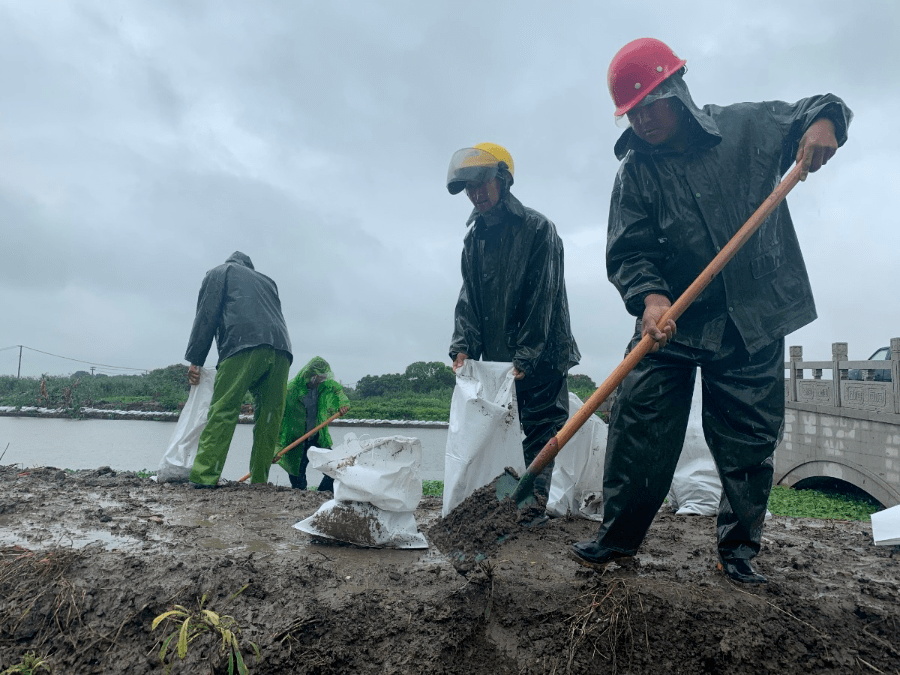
{"x": 88, "y": 560}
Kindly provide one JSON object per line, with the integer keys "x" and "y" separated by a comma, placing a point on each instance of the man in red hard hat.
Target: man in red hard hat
{"x": 689, "y": 179}
{"x": 512, "y": 306}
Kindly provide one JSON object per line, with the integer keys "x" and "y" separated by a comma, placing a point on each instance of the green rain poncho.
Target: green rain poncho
{"x": 330, "y": 398}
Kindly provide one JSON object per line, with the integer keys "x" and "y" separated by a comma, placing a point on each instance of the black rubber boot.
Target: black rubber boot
{"x": 591, "y": 554}
{"x": 297, "y": 482}
{"x": 740, "y": 570}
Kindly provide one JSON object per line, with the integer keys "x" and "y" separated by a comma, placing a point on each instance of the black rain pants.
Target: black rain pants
{"x": 543, "y": 410}
{"x": 743, "y": 417}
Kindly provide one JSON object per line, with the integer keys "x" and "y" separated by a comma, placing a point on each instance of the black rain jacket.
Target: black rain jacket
{"x": 671, "y": 213}
{"x": 513, "y": 304}
{"x": 241, "y": 308}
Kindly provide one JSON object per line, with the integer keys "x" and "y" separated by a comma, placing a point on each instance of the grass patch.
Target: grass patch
{"x": 830, "y": 505}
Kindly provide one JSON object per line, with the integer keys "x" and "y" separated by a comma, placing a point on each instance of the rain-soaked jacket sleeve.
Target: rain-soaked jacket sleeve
{"x": 795, "y": 118}
{"x": 466, "y": 324}
{"x": 634, "y": 246}
{"x": 543, "y": 281}
{"x": 206, "y": 321}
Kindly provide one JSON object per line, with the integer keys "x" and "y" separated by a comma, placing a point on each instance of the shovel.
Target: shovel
{"x": 299, "y": 441}
{"x": 522, "y": 489}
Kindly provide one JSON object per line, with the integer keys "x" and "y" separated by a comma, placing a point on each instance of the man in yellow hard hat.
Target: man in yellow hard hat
{"x": 689, "y": 179}
{"x": 513, "y": 306}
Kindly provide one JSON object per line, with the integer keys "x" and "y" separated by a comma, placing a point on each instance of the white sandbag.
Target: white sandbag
{"x": 577, "y": 484}
{"x": 696, "y": 487}
{"x": 364, "y": 525}
{"x": 385, "y": 472}
{"x": 886, "y": 526}
{"x": 484, "y": 436}
{"x": 175, "y": 465}
{"x": 377, "y": 487}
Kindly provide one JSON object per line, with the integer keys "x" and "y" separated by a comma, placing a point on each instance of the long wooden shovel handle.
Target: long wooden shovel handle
{"x": 555, "y": 444}
{"x": 299, "y": 441}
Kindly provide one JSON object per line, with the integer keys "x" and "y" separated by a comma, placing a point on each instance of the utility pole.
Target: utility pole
{"x": 92, "y": 371}
{"x": 19, "y": 373}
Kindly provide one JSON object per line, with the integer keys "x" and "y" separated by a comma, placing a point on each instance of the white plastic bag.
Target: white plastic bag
{"x": 377, "y": 487}
{"x": 484, "y": 436}
{"x": 176, "y": 464}
{"x": 386, "y": 472}
{"x": 577, "y": 484}
{"x": 886, "y": 526}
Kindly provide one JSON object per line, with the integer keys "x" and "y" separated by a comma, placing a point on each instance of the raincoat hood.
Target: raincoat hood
{"x": 241, "y": 259}
{"x": 703, "y": 130}
{"x": 316, "y": 366}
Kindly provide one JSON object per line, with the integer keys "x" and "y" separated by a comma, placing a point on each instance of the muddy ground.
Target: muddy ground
{"x": 88, "y": 560}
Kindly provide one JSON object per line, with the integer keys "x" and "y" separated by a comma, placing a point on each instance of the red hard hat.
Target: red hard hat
{"x": 637, "y": 69}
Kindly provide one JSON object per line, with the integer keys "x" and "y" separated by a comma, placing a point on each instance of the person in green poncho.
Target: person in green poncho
{"x": 312, "y": 397}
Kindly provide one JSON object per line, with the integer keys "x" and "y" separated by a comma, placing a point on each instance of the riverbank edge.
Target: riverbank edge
{"x": 169, "y": 416}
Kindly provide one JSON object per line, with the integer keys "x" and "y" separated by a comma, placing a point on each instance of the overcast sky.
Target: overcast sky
{"x": 141, "y": 143}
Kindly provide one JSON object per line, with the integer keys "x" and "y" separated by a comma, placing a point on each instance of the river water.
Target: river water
{"x": 137, "y": 445}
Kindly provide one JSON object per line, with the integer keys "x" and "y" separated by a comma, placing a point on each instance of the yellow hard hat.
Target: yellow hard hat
{"x": 477, "y": 164}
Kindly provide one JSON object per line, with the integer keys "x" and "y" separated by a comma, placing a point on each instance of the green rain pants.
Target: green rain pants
{"x": 264, "y": 372}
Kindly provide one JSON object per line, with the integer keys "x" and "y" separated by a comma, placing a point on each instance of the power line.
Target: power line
{"x": 90, "y": 363}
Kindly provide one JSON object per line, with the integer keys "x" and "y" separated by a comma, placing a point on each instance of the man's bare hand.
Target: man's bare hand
{"x": 344, "y": 409}
{"x": 459, "y": 361}
{"x": 817, "y": 146}
{"x": 655, "y": 306}
{"x": 194, "y": 375}
{"x": 518, "y": 374}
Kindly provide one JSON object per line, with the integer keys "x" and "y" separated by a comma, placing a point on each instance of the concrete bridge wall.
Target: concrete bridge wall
{"x": 840, "y": 428}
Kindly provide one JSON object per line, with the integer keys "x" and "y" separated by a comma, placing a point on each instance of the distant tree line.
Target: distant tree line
{"x": 419, "y": 378}
{"x": 423, "y": 391}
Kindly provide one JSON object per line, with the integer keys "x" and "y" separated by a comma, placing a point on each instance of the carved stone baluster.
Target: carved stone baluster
{"x": 796, "y": 353}
{"x": 895, "y": 372}
{"x": 838, "y": 354}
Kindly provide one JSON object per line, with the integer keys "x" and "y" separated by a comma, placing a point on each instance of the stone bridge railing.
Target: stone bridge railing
{"x": 841, "y": 428}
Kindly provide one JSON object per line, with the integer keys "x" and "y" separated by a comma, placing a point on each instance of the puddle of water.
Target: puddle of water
{"x": 59, "y": 537}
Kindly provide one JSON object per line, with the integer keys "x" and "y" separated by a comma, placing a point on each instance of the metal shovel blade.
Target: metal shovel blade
{"x": 519, "y": 489}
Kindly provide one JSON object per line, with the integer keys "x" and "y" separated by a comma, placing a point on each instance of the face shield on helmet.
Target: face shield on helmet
{"x": 470, "y": 165}
{"x": 477, "y": 165}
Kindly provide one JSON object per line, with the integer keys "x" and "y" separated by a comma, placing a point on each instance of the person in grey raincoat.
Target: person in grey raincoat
{"x": 513, "y": 305}
{"x": 689, "y": 179}
{"x": 240, "y": 307}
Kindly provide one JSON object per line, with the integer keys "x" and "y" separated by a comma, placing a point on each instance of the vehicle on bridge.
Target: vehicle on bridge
{"x": 878, "y": 375}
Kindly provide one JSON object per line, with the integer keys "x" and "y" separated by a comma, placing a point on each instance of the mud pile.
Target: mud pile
{"x": 88, "y": 560}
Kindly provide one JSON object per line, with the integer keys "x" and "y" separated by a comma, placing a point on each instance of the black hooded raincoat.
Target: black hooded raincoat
{"x": 670, "y": 214}
{"x": 513, "y": 304}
